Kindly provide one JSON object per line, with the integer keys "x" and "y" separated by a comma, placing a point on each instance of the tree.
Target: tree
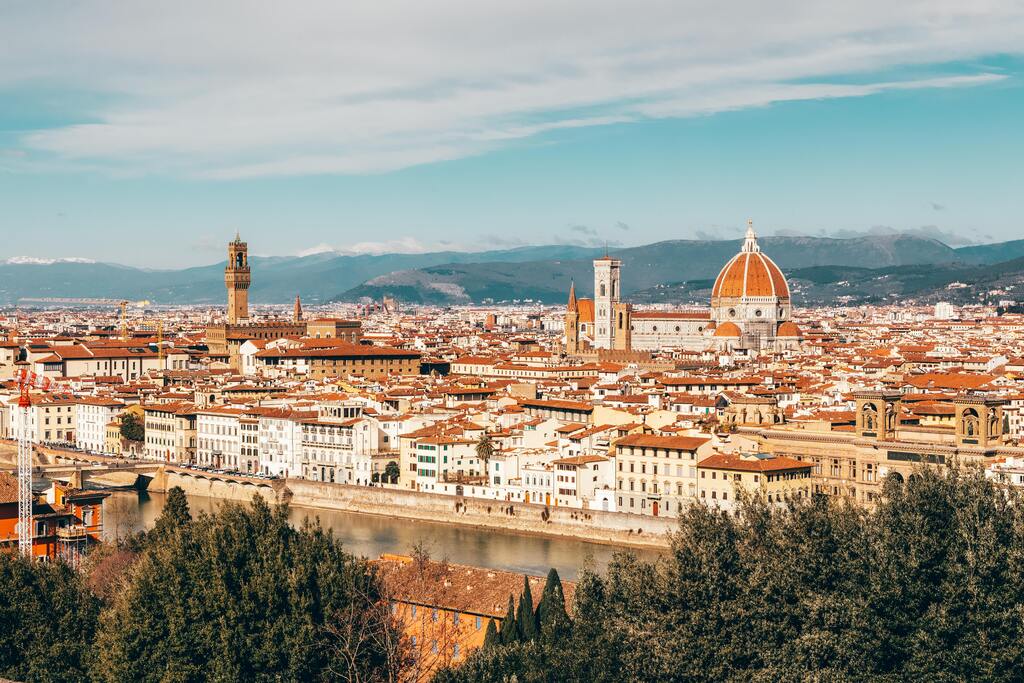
{"x": 47, "y": 621}
{"x": 552, "y": 619}
{"x": 929, "y": 585}
{"x": 132, "y": 428}
{"x": 392, "y": 472}
{"x": 485, "y": 450}
{"x": 509, "y": 633}
{"x": 526, "y": 619}
{"x": 491, "y": 635}
{"x": 241, "y": 595}
{"x": 175, "y": 515}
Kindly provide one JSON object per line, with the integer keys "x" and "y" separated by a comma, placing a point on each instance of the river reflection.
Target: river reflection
{"x": 370, "y": 535}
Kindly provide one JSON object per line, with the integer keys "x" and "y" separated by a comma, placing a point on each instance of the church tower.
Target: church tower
{"x": 607, "y": 274}
{"x": 297, "y": 313}
{"x": 572, "y": 323}
{"x": 237, "y": 278}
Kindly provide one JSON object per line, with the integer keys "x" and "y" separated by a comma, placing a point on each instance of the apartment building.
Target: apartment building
{"x": 722, "y": 476}
{"x": 94, "y": 414}
{"x": 656, "y": 475}
{"x": 170, "y": 432}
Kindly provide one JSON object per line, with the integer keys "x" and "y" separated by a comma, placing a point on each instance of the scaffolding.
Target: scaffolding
{"x": 72, "y": 544}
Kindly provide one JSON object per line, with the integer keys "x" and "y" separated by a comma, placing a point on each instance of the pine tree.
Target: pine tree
{"x": 526, "y": 618}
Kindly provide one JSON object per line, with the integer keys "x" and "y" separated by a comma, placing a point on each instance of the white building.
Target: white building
{"x": 94, "y": 414}
{"x": 280, "y": 440}
{"x": 218, "y": 438}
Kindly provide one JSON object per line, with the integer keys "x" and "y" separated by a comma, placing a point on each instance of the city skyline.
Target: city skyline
{"x": 679, "y": 123}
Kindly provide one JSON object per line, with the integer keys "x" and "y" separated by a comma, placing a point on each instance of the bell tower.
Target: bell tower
{"x": 607, "y": 276}
{"x": 237, "y": 278}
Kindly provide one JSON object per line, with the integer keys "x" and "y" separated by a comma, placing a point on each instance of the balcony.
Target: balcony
{"x": 75, "y": 532}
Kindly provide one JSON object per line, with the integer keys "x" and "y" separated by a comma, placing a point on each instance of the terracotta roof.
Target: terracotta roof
{"x": 723, "y": 461}
{"x": 683, "y": 443}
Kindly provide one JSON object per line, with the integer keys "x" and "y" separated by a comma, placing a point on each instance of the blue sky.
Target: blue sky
{"x": 143, "y": 138}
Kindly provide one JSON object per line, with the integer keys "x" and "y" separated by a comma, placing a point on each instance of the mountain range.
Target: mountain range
{"x": 861, "y": 269}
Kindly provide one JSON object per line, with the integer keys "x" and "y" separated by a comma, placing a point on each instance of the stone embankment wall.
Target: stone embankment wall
{"x": 592, "y": 525}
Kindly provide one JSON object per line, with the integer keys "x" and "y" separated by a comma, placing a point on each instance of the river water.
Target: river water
{"x": 126, "y": 512}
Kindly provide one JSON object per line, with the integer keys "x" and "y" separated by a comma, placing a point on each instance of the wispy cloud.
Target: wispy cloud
{"x": 229, "y": 90}
{"x": 400, "y": 245}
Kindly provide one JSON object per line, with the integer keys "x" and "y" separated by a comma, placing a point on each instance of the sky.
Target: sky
{"x": 148, "y": 133}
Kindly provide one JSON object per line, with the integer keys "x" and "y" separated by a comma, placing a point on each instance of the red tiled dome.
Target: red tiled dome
{"x": 727, "y": 329}
{"x": 750, "y": 273}
{"x": 788, "y": 329}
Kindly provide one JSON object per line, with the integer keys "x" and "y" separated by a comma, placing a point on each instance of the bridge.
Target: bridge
{"x": 234, "y": 486}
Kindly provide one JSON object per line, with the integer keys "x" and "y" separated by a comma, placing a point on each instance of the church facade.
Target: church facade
{"x": 751, "y": 309}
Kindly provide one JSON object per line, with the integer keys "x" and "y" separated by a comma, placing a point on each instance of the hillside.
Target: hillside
{"x": 644, "y": 267}
{"x": 958, "y": 283}
{"x": 675, "y": 270}
{"x": 275, "y": 279}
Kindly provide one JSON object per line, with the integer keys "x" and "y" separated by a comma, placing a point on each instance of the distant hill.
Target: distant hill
{"x": 675, "y": 270}
{"x": 991, "y": 253}
{"x": 958, "y": 283}
{"x": 275, "y": 279}
{"x": 644, "y": 267}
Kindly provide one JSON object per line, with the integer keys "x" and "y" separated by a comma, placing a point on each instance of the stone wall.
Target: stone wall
{"x": 592, "y": 525}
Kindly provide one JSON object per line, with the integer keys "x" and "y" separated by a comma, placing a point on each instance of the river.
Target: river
{"x": 126, "y": 512}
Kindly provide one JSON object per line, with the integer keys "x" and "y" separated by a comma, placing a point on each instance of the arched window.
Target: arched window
{"x": 602, "y": 289}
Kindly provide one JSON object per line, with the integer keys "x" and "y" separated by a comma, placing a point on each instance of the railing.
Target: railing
{"x": 76, "y": 532}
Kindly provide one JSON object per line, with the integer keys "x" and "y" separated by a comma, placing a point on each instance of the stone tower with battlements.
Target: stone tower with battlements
{"x": 237, "y": 279}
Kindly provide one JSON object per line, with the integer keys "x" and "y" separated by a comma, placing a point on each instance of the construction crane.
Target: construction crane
{"x": 28, "y": 380}
{"x": 123, "y": 304}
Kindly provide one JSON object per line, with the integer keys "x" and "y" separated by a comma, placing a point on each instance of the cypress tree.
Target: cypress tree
{"x": 509, "y": 632}
{"x": 552, "y": 619}
{"x": 526, "y": 619}
{"x": 491, "y": 636}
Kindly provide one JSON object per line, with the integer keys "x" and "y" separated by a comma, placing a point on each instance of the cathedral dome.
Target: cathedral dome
{"x": 789, "y": 329}
{"x": 727, "y": 329}
{"x": 750, "y": 274}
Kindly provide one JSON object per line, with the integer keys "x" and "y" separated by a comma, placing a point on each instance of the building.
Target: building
{"x": 94, "y": 414}
{"x": 338, "y": 444}
{"x": 657, "y": 475}
{"x": 723, "y": 476}
{"x": 237, "y": 278}
{"x": 444, "y": 609}
{"x": 751, "y": 310}
{"x": 66, "y": 521}
{"x": 170, "y": 432}
{"x": 224, "y": 340}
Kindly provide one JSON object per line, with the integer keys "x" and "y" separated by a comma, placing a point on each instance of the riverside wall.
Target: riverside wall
{"x": 592, "y": 525}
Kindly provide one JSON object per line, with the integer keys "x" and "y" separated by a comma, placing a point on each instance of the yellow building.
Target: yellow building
{"x": 721, "y": 477}
{"x": 443, "y": 609}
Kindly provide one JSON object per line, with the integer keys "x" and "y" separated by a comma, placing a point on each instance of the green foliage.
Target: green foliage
{"x": 509, "y": 632}
{"x": 928, "y": 586}
{"x": 491, "y": 635}
{"x": 238, "y": 596}
{"x": 526, "y": 619}
{"x": 132, "y": 428}
{"x": 552, "y": 619}
{"x": 47, "y": 618}
{"x": 485, "y": 449}
{"x": 174, "y": 516}
{"x": 392, "y": 472}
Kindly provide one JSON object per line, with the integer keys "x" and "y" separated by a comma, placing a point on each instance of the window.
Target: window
{"x": 479, "y": 622}
{"x": 433, "y": 614}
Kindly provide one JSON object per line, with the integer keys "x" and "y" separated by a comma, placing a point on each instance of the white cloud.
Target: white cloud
{"x": 231, "y": 90}
{"x": 401, "y": 245}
